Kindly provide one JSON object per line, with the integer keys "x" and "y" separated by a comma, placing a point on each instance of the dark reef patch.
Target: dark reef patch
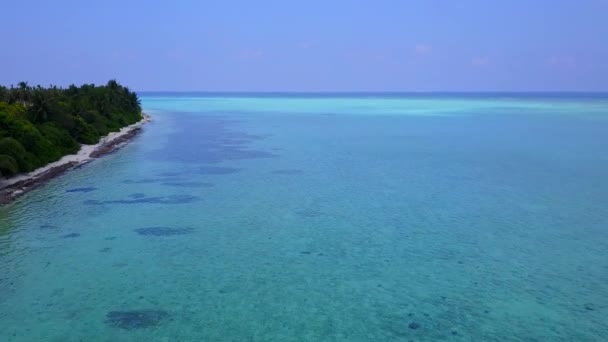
{"x": 217, "y": 170}
{"x": 175, "y": 199}
{"x": 105, "y": 250}
{"x": 83, "y": 189}
{"x": 214, "y": 139}
{"x": 170, "y": 174}
{"x": 150, "y": 180}
{"x": 47, "y": 226}
{"x": 287, "y": 172}
{"x": 413, "y": 325}
{"x": 163, "y": 231}
{"x": 188, "y": 184}
{"x": 139, "y": 181}
{"x": 135, "y": 319}
{"x": 246, "y": 154}
{"x": 310, "y": 213}
{"x": 71, "y": 235}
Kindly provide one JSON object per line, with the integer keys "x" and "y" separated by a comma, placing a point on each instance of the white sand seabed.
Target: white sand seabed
{"x": 83, "y": 155}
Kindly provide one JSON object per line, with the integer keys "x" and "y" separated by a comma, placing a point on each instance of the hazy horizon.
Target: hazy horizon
{"x": 342, "y": 46}
{"x": 363, "y": 92}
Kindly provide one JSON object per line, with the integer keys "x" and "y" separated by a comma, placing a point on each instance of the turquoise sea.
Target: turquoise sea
{"x": 344, "y": 217}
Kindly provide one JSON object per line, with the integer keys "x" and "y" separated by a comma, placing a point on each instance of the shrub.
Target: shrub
{"x": 8, "y": 166}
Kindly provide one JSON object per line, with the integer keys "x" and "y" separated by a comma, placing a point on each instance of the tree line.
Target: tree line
{"x": 40, "y": 125}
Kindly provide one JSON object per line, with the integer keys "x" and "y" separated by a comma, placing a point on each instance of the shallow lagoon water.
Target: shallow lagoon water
{"x": 289, "y": 218}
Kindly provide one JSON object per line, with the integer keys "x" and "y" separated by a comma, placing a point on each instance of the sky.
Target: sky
{"x": 309, "y": 46}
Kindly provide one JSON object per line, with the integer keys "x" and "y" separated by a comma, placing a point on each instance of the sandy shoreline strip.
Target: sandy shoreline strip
{"x": 12, "y": 188}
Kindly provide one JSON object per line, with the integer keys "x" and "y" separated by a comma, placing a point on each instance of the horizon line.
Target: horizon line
{"x": 396, "y": 92}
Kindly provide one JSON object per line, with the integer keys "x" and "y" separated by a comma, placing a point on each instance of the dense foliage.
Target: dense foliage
{"x": 40, "y": 125}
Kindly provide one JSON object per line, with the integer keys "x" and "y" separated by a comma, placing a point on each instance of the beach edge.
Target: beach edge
{"x": 13, "y": 188}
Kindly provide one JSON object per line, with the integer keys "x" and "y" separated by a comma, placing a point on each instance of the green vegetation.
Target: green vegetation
{"x": 40, "y": 125}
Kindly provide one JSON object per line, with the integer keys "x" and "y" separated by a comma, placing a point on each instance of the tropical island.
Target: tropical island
{"x": 39, "y": 126}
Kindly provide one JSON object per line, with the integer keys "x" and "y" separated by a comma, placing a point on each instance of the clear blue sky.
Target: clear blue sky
{"x": 312, "y": 45}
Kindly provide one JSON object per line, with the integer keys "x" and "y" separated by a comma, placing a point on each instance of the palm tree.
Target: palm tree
{"x": 4, "y": 95}
{"x": 24, "y": 92}
{"x": 113, "y": 85}
{"x": 41, "y": 106}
